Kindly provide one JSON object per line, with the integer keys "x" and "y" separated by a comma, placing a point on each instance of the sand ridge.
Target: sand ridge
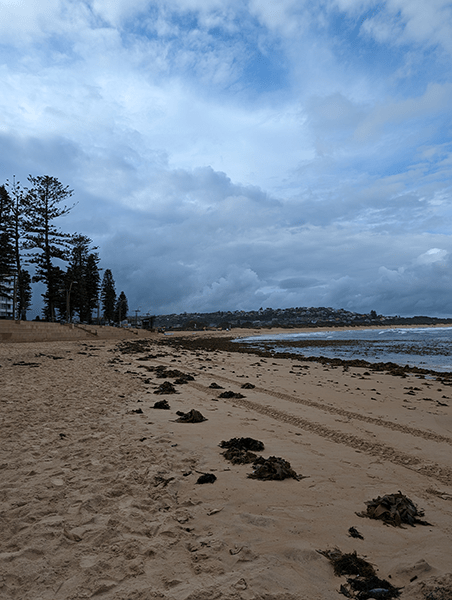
{"x": 98, "y": 500}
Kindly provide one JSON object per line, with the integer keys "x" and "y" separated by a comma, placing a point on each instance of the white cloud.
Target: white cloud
{"x": 430, "y": 22}
{"x": 239, "y": 288}
{"x": 22, "y": 21}
{"x": 435, "y": 100}
{"x": 434, "y": 255}
{"x": 116, "y": 12}
{"x": 242, "y": 154}
{"x": 287, "y": 17}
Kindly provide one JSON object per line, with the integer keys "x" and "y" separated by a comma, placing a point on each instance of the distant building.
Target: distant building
{"x": 6, "y": 302}
{"x": 147, "y": 322}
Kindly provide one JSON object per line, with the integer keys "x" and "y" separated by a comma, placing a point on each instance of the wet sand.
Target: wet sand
{"x": 99, "y": 500}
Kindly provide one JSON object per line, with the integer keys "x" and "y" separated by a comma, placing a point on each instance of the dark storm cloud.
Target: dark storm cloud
{"x": 231, "y": 155}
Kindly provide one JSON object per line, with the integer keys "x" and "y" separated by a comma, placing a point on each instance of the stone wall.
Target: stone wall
{"x": 35, "y": 331}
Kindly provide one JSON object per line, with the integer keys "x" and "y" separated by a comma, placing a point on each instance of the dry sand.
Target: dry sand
{"x": 97, "y": 500}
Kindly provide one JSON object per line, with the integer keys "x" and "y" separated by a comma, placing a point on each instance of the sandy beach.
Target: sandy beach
{"x": 99, "y": 495}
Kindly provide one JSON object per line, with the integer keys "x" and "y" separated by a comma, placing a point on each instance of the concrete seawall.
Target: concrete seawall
{"x": 35, "y": 331}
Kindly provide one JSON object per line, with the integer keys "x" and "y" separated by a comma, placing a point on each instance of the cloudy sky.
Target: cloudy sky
{"x": 238, "y": 154}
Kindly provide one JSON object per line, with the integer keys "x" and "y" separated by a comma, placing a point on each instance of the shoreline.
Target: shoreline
{"x": 255, "y": 331}
{"x": 99, "y": 494}
{"x": 277, "y": 330}
{"x": 231, "y": 343}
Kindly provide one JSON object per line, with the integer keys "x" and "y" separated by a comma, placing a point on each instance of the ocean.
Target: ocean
{"x": 424, "y": 347}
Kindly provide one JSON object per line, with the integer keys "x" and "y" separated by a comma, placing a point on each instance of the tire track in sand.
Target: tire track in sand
{"x": 414, "y": 431}
{"x": 375, "y": 449}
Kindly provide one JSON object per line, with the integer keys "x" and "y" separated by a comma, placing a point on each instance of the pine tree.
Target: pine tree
{"x": 62, "y": 297}
{"x": 45, "y": 196}
{"x": 20, "y": 216}
{"x": 108, "y": 296}
{"x": 92, "y": 284}
{"x": 121, "y": 308}
{"x": 82, "y": 277}
{"x": 6, "y": 242}
{"x": 75, "y": 275}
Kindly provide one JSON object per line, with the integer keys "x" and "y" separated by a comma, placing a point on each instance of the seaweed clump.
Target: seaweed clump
{"x": 394, "y": 509}
{"x": 163, "y": 404}
{"x": 273, "y": 468}
{"x": 365, "y": 585}
{"x": 348, "y": 564}
{"x": 239, "y": 457}
{"x": 239, "y": 450}
{"x": 206, "y": 478}
{"x": 243, "y": 444}
{"x": 354, "y": 533}
{"x": 364, "y": 588}
{"x": 166, "y": 388}
{"x": 237, "y": 395}
{"x": 193, "y": 416}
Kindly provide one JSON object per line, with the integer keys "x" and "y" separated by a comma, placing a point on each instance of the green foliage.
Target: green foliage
{"x": 58, "y": 277}
{"x": 27, "y": 223}
{"x": 121, "y": 308}
{"x": 92, "y": 283}
{"x": 20, "y": 216}
{"x": 61, "y": 296}
{"x": 108, "y": 296}
{"x": 45, "y": 197}
{"x": 6, "y": 241}
{"x": 82, "y": 278}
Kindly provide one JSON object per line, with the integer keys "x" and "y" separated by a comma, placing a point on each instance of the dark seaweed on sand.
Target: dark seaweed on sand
{"x": 365, "y": 588}
{"x": 243, "y": 444}
{"x": 22, "y": 363}
{"x": 166, "y": 388}
{"x": 207, "y": 478}
{"x": 162, "y": 372}
{"x": 354, "y": 533}
{"x": 231, "y": 395}
{"x": 394, "y": 509}
{"x": 365, "y": 584}
{"x": 348, "y": 564}
{"x": 134, "y": 347}
{"x": 239, "y": 457}
{"x": 184, "y": 379}
{"x": 163, "y": 404}
{"x": 193, "y": 416}
{"x": 239, "y": 450}
{"x": 273, "y": 468}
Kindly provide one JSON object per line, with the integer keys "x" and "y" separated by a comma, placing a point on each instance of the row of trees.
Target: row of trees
{"x": 29, "y": 237}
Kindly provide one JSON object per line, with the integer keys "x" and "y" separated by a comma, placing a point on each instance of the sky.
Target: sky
{"x": 239, "y": 154}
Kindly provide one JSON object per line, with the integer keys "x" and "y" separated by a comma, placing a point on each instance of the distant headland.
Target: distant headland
{"x": 287, "y": 318}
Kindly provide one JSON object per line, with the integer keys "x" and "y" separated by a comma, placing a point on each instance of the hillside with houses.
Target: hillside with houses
{"x": 284, "y": 317}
